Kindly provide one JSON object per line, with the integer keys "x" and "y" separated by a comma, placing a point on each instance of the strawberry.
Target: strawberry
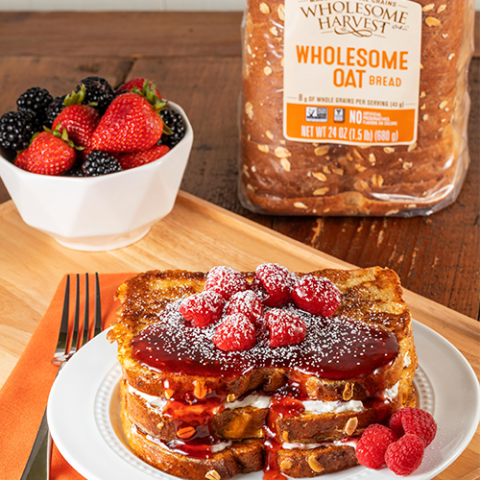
{"x": 50, "y": 154}
{"x": 136, "y": 159}
{"x": 22, "y": 159}
{"x": 80, "y": 121}
{"x": 130, "y": 124}
{"x": 139, "y": 84}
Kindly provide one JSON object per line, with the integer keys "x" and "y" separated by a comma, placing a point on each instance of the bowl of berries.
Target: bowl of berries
{"x": 94, "y": 169}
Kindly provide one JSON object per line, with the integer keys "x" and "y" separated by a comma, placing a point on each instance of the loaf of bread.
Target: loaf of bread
{"x": 284, "y": 177}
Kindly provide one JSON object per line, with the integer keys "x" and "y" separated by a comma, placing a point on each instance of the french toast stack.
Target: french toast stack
{"x": 198, "y": 411}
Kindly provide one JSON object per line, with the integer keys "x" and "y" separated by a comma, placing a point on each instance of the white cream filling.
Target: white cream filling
{"x": 152, "y": 400}
{"x": 263, "y": 401}
{"x": 407, "y": 361}
{"x": 350, "y": 443}
{"x": 391, "y": 393}
{"x": 319, "y": 407}
{"x": 257, "y": 401}
{"x": 302, "y": 446}
{"x": 311, "y": 446}
{"x": 217, "y": 447}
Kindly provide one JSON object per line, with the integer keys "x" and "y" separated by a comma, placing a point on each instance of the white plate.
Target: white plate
{"x": 84, "y": 403}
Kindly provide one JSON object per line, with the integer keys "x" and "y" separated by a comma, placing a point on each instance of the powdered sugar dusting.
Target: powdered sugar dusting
{"x": 316, "y": 295}
{"x": 235, "y": 333}
{"x": 335, "y": 348}
{"x": 273, "y": 283}
{"x": 286, "y": 328}
{"x": 247, "y": 303}
{"x": 226, "y": 281}
{"x": 203, "y": 308}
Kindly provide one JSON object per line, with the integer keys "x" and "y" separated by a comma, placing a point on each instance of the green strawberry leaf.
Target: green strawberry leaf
{"x": 166, "y": 130}
{"x": 75, "y": 98}
{"x": 34, "y": 136}
{"x": 148, "y": 92}
{"x": 63, "y": 135}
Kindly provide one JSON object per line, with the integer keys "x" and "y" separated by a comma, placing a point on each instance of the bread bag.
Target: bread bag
{"x": 377, "y": 103}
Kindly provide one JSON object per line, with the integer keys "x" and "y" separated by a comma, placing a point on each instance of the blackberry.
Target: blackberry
{"x": 100, "y": 163}
{"x": 17, "y": 129}
{"x": 97, "y": 90}
{"x": 174, "y": 121}
{"x": 54, "y": 109}
{"x": 76, "y": 170}
{"x": 36, "y": 100}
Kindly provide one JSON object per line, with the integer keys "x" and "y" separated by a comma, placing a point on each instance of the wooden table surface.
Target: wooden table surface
{"x": 33, "y": 264}
{"x": 195, "y": 59}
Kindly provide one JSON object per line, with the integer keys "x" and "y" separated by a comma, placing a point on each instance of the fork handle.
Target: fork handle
{"x": 49, "y": 454}
{"x": 35, "y": 467}
{"x": 40, "y": 459}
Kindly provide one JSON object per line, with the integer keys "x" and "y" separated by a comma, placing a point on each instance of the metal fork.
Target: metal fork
{"x": 70, "y": 340}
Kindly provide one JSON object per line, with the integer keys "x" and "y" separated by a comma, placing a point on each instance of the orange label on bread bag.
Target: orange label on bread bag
{"x": 352, "y": 71}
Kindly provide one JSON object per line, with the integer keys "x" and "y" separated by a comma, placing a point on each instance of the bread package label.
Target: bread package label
{"x": 352, "y": 71}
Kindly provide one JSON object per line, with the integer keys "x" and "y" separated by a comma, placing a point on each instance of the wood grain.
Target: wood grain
{"x": 59, "y": 75}
{"x": 33, "y": 264}
{"x": 208, "y": 91}
{"x": 136, "y": 33}
{"x": 114, "y": 34}
{"x": 196, "y": 60}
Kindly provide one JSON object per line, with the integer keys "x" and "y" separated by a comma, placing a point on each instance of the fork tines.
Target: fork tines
{"x": 77, "y": 336}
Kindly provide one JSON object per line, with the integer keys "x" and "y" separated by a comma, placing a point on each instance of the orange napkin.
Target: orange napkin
{"x": 24, "y": 396}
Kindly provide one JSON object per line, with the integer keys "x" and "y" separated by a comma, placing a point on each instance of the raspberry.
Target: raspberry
{"x": 275, "y": 284}
{"x": 405, "y": 455}
{"x": 395, "y": 423}
{"x": 203, "y": 309}
{"x": 286, "y": 328}
{"x": 226, "y": 281}
{"x": 246, "y": 303}
{"x": 318, "y": 296}
{"x": 373, "y": 444}
{"x": 235, "y": 333}
{"x": 414, "y": 421}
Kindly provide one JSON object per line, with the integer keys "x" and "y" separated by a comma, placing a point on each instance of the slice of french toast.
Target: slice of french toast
{"x": 247, "y": 422}
{"x": 176, "y": 381}
{"x": 240, "y": 457}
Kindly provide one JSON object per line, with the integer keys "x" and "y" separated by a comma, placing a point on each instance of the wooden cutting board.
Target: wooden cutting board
{"x": 195, "y": 236}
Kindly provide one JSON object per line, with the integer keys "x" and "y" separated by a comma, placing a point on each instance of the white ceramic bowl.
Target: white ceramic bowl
{"x": 100, "y": 213}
